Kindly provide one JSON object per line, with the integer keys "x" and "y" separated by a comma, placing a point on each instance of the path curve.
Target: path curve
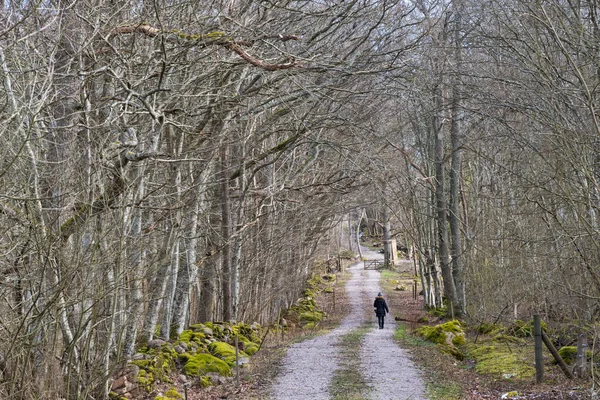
{"x": 309, "y": 366}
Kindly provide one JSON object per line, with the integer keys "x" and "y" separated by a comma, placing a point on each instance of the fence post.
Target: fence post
{"x": 237, "y": 362}
{"x": 582, "y": 347}
{"x": 334, "y": 299}
{"x": 539, "y": 362}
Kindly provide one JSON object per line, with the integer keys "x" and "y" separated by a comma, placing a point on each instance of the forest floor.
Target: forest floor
{"x": 347, "y": 357}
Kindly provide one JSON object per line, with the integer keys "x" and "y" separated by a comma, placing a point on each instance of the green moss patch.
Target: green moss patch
{"x": 225, "y": 352}
{"x": 500, "y": 360}
{"x": 449, "y": 336}
{"x": 203, "y": 363}
{"x": 568, "y": 353}
{"x": 524, "y": 328}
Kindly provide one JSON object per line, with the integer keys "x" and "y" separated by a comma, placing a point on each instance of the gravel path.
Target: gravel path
{"x": 309, "y": 366}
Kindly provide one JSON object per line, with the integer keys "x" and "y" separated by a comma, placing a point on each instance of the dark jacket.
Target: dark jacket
{"x": 381, "y": 307}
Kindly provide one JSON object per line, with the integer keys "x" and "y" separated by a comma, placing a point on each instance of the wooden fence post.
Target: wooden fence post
{"x": 539, "y": 362}
{"x": 582, "y": 347}
{"x": 557, "y": 357}
{"x": 237, "y": 362}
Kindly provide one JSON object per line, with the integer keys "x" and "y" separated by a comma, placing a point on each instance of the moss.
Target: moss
{"x": 213, "y": 35}
{"x": 504, "y": 338}
{"x": 116, "y": 396}
{"x": 250, "y": 348}
{"x": 197, "y": 327}
{"x": 204, "y": 363}
{"x": 188, "y": 336}
{"x": 437, "y": 333}
{"x": 310, "y": 325}
{"x": 524, "y": 328}
{"x": 499, "y": 360}
{"x": 225, "y": 352}
{"x": 145, "y": 380}
{"x": 449, "y": 336}
{"x": 247, "y": 331}
{"x": 205, "y": 381}
{"x": 452, "y": 326}
{"x": 174, "y": 394}
{"x": 439, "y": 312}
{"x": 568, "y": 353}
{"x": 217, "y": 329}
{"x": 432, "y": 334}
{"x": 458, "y": 340}
{"x": 164, "y": 365}
{"x": 311, "y": 316}
{"x": 487, "y": 328}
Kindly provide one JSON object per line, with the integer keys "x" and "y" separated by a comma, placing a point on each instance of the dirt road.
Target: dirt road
{"x": 309, "y": 366}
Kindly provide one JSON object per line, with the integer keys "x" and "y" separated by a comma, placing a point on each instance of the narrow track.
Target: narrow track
{"x": 309, "y": 366}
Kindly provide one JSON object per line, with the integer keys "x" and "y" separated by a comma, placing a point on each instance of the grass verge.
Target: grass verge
{"x": 348, "y": 383}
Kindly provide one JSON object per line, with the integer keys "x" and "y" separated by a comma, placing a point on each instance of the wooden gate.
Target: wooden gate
{"x": 374, "y": 264}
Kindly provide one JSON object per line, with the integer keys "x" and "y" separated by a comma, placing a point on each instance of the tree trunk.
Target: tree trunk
{"x": 226, "y": 299}
{"x": 189, "y": 274}
{"x": 458, "y": 272}
{"x": 441, "y": 204}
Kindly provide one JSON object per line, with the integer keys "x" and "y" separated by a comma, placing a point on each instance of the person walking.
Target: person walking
{"x": 381, "y": 309}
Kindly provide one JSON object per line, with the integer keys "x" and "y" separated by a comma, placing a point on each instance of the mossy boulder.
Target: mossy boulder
{"x": 170, "y": 394}
{"x": 439, "y": 333}
{"x": 499, "y": 360}
{"x": 145, "y": 379}
{"x": 250, "y": 332}
{"x": 225, "y": 352}
{"x": 189, "y": 336}
{"x": 569, "y": 354}
{"x": 449, "y": 336}
{"x": 250, "y": 348}
{"x": 203, "y": 363}
{"x": 311, "y": 316}
{"x": 216, "y": 330}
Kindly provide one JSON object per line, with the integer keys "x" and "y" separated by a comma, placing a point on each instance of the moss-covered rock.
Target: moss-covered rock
{"x": 145, "y": 379}
{"x": 203, "y": 363}
{"x": 251, "y": 348}
{"x": 225, "y": 352}
{"x": 310, "y": 325}
{"x": 449, "y": 336}
{"x": 499, "y": 360}
{"x": 170, "y": 394}
{"x": 568, "y": 354}
{"x": 189, "y": 336}
{"x": 311, "y": 316}
{"x": 216, "y": 330}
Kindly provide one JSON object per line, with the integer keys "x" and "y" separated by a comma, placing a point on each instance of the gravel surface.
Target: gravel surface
{"x": 308, "y": 367}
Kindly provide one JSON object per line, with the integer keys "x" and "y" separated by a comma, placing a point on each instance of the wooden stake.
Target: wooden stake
{"x": 539, "y": 362}
{"x": 557, "y": 357}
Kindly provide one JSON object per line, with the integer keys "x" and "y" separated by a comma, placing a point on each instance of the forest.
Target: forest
{"x": 168, "y": 162}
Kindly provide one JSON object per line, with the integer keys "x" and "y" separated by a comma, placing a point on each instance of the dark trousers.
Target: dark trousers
{"x": 380, "y": 319}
